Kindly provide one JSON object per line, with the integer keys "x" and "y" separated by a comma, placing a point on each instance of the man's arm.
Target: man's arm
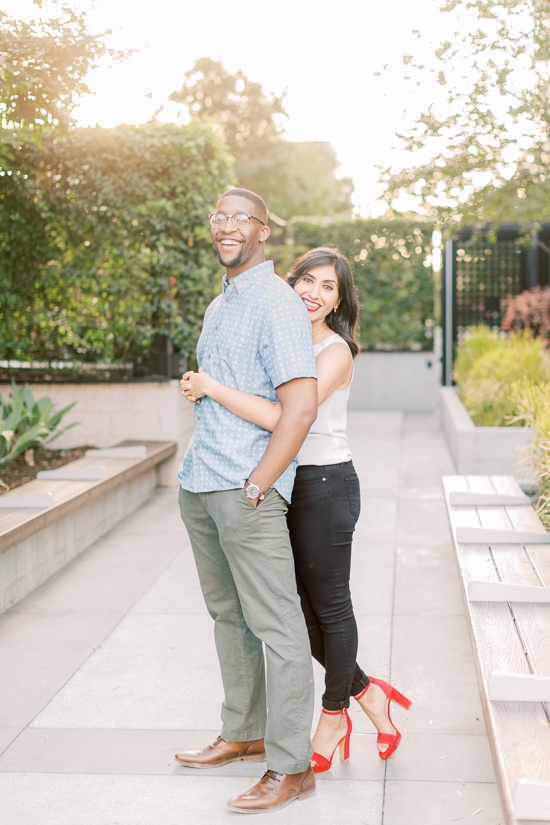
{"x": 298, "y": 402}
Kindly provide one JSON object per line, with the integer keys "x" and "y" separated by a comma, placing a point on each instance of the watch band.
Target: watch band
{"x": 256, "y": 495}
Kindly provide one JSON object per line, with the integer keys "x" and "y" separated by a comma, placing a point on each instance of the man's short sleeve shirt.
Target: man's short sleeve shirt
{"x": 256, "y": 335}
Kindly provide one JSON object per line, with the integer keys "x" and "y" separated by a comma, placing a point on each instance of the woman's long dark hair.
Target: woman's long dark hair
{"x": 343, "y": 319}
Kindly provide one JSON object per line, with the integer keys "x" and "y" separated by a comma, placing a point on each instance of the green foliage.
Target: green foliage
{"x": 532, "y": 403}
{"x": 44, "y": 64}
{"x": 530, "y": 311}
{"x": 293, "y": 178}
{"x": 26, "y": 423}
{"x": 486, "y": 368}
{"x": 391, "y": 264}
{"x": 478, "y": 343}
{"x": 105, "y": 242}
{"x": 485, "y": 147}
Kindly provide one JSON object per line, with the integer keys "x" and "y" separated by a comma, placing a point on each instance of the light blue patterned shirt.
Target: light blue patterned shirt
{"x": 256, "y": 335}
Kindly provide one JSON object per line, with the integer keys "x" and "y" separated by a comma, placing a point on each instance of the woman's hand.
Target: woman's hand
{"x": 194, "y": 385}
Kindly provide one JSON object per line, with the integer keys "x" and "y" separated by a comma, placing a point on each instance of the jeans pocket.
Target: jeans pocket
{"x": 354, "y": 494}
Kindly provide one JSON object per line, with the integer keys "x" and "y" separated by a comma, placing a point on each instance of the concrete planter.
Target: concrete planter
{"x": 110, "y": 413}
{"x": 404, "y": 381}
{"x": 478, "y": 450}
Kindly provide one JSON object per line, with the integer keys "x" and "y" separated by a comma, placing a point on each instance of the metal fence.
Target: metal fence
{"x": 481, "y": 269}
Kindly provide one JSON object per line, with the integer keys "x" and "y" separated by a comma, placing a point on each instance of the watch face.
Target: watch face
{"x": 252, "y": 491}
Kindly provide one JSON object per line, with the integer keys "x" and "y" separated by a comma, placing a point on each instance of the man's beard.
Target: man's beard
{"x": 237, "y": 260}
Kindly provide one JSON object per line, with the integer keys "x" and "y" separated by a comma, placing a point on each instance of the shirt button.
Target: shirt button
{"x": 216, "y": 327}
{"x": 209, "y": 356}
{"x": 226, "y": 300}
{"x": 196, "y": 448}
{"x": 198, "y": 418}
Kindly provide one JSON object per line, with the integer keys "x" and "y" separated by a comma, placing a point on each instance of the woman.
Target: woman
{"x": 325, "y": 505}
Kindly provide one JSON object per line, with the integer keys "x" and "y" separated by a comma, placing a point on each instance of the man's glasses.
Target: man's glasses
{"x": 219, "y": 219}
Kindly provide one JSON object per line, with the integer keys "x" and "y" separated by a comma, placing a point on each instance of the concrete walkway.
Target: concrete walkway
{"x": 110, "y": 668}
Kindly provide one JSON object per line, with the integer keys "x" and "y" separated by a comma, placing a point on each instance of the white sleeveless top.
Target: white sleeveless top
{"x": 327, "y": 440}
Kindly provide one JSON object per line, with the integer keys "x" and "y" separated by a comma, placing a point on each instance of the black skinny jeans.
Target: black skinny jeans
{"x": 321, "y": 519}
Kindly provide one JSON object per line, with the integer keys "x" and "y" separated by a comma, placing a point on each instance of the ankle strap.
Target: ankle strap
{"x": 333, "y": 712}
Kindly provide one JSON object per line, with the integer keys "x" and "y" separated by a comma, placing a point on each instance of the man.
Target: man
{"x": 235, "y": 485}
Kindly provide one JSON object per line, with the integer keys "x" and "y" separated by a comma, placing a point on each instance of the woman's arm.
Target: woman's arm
{"x": 334, "y": 365}
{"x": 252, "y": 408}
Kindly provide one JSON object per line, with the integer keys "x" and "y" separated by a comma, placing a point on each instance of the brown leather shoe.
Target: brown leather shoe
{"x": 273, "y": 792}
{"x": 222, "y": 752}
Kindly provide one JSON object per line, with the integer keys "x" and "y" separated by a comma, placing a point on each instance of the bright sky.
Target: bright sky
{"x": 325, "y": 54}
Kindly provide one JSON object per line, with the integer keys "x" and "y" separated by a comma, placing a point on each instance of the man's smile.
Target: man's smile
{"x": 229, "y": 243}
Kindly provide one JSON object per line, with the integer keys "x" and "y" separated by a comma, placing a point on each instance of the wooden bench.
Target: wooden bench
{"x": 503, "y": 556}
{"x": 37, "y": 541}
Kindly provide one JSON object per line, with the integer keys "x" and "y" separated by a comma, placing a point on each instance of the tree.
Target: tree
{"x": 43, "y": 65}
{"x": 294, "y": 179}
{"x": 488, "y": 143}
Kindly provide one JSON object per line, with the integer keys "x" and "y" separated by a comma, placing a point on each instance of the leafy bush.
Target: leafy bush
{"x": 105, "y": 242}
{"x": 26, "y": 423}
{"x": 530, "y": 311}
{"x": 391, "y": 264}
{"x": 487, "y": 366}
{"x": 532, "y": 403}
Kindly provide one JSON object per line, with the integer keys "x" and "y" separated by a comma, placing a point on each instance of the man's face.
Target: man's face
{"x": 239, "y": 247}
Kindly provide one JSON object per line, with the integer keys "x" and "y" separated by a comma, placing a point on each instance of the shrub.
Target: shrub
{"x": 530, "y": 311}
{"x": 532, "y": 403}
{"x": 486, "y": 368}
{"x": 26, "y": 423}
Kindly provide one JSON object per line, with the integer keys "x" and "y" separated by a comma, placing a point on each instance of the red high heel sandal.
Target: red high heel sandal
{"x": 391, "y": 739}
{"x": 322, "y": 763}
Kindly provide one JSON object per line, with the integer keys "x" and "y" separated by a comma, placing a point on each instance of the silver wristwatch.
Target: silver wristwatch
{"x": 252, "y": 491}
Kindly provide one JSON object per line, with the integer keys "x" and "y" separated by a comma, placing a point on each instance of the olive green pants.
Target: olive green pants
{"x": 246, "y": 570}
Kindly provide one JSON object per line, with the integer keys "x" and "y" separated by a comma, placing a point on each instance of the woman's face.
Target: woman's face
{"x": 318, "y": 289}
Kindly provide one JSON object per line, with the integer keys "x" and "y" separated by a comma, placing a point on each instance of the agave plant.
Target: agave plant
{"x": 26, "y": 423}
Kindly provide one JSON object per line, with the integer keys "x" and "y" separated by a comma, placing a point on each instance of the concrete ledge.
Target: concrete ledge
{"x": 34, "y": 544}
{"x": 478, "y": 450}
{"x": 108, "y": 413}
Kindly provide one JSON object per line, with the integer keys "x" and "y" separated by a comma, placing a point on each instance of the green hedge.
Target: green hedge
{"x": 391, "y": 263}
{"x": 105, "y": 242}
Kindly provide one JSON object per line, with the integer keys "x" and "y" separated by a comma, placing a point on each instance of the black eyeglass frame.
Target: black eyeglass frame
{"x": 227, "y": 217}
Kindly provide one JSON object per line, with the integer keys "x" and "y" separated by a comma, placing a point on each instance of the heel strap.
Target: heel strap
{"x": 360, "y": 695}
{"x": 334, "y": 712}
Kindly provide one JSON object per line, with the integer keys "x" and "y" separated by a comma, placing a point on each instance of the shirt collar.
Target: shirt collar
{"x": 249, "y": 276}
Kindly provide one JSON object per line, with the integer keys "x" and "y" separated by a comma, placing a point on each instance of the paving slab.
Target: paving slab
{"x": 7, "y": 736}
{"x": 372, "y": 578}
{"x": 439, "y": 803}
{"x": 161, "y": 800}
{"x": 176, "y": 590}
{"x": 422, "y": 523}
{"x": 426, "y": 581}
{"x": 378, "y": 520}
{"x": 107, "y": 578}
{"x": 39, "y": 654}
{"x": 151, "y": 752}
{"x": 153, "y": 671}
{"x": 441, "y": 758}
{"x": 433, "y": 658}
